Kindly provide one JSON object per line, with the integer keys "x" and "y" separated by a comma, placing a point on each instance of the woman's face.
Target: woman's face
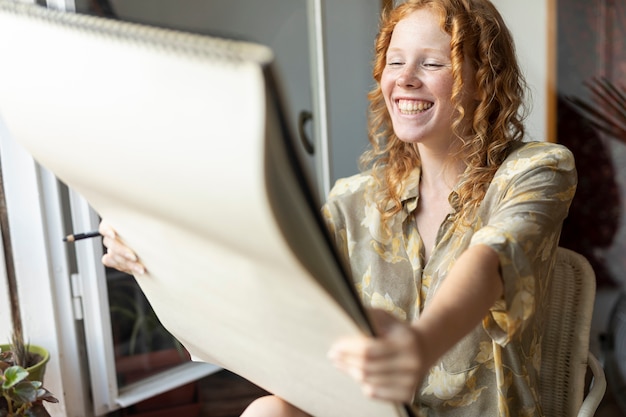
{"x": 417, "y": 81}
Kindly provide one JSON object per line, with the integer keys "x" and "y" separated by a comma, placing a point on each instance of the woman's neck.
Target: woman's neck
{"x": 440, "y": 170}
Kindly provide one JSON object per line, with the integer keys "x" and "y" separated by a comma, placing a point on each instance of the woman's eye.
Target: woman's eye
{"x": 431, "y": 65}
{"x": 394, "y": 63}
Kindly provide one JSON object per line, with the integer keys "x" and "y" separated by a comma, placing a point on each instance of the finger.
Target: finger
{"x": 398, "y": 364}
{"x": 123, "y": 264}
{"x": 377, "y": 355}
{"x": 360, "y": 349}
{"x": 118, "y": 256}
{"x": 393, "y": 393}
{"x": 399, "y": 377}
{"x": 397, "y": 386}
{"x": 370, "y": 370}
{"x": 383, "y": 379}
{"x": 119, "y": 249}
{"x": 380, "y": 371}
{"x": 110, "y": 261}
{"x": 106, "y": 229}
{"x": 121, "y": 257}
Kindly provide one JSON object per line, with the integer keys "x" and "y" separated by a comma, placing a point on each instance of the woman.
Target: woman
{"x": 450, "y": 234}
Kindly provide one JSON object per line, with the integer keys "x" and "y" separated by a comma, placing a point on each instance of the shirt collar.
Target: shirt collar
{"x": 410, "y": 195}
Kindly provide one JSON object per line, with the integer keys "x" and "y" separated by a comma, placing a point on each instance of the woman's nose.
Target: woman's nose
{"x": 409, "y": 78}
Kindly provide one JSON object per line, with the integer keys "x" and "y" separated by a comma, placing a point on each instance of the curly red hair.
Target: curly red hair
{"x": 479, "y": 38}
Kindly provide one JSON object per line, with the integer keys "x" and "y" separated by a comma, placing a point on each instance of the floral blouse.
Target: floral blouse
{"x": 493, "y": 371}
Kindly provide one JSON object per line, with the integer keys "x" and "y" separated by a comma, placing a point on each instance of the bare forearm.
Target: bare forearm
{"x": 393, "y": 365}
{"x": 472, "y": 287}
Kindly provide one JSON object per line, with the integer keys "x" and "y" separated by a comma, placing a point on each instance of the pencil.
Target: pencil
{"x": 78, "y": 236}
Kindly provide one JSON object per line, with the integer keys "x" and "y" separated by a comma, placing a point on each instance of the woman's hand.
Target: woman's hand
{"x": 119, "y": 256}
{"x": 389, "y": 367}
{"x": 393, "y": 365}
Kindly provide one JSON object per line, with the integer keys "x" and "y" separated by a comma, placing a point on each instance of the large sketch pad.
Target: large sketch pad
{"x": 170, "y": 137}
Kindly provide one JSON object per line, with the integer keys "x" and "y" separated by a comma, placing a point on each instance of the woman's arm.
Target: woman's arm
{"x": 392, "y": 366}
{"x": 464, "y": 298}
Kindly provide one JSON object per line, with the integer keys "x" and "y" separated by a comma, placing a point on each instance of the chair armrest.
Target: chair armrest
{"x": 597, "y": 390}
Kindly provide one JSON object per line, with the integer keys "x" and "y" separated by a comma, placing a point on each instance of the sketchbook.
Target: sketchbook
{"x": 179, "y": 141}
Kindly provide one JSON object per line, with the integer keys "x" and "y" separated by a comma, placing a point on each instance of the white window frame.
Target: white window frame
{"x": 42, "y": 274}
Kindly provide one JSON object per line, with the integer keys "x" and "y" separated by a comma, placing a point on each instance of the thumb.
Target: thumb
{"x": 382, "y": 321}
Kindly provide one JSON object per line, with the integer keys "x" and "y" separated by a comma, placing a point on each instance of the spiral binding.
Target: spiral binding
{"x": 175, "y": 41}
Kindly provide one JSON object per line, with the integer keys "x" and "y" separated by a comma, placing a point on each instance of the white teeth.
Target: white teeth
{"x": 413, "y": 106}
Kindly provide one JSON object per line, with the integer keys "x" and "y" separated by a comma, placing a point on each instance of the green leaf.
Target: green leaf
{"x": 25, "y": 392}
{"x": 13, "y": 375}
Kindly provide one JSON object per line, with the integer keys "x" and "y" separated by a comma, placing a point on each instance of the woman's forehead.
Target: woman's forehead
{"x": 420, "y": 28}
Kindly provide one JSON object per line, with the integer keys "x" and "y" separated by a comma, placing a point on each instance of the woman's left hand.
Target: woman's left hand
{"x": 390, "y": 366}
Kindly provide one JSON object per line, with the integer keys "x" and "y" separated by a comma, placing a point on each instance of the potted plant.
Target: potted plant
{"x": 22, "y": 368}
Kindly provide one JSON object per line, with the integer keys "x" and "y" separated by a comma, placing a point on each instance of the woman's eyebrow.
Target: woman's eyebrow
{"x": 426, "y": 49}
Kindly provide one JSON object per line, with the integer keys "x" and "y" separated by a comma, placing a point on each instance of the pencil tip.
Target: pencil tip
{"x": 68, "y": 238}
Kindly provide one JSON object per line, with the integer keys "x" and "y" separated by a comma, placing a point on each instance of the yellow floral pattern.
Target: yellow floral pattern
{"x": 493, "y": 371}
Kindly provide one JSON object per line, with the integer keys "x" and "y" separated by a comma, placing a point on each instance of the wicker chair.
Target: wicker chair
{"x": 565, "y": 345}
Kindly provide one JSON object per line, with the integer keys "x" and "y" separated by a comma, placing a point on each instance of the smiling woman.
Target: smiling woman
{"x": 439, "y": 230}
{"x": 449, "y": 245}
{"x": 450, "y": 232}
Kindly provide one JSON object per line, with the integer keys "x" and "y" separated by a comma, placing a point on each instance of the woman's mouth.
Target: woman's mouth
{"x": 413, "y": 106}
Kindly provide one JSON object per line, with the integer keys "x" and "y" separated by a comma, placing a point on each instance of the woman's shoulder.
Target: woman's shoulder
{"x": 351, "y": 186}
{"x": 345, "y": 198}
{"x": 528, "y": 149}
{"x": 540, "y": 153}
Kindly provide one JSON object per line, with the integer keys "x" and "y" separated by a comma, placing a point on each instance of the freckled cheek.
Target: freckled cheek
{"x": 446, "y": 88}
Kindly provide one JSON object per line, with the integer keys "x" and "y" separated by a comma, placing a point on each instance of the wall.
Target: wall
{"x": 529, "y": 23}
{"x": 351, "y": 28}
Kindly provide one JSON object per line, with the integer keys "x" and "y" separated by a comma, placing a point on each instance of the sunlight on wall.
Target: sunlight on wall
{"x": 528, "y": 21}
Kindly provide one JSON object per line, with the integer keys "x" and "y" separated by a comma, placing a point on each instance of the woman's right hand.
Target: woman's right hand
{"x": 118, "y": 255}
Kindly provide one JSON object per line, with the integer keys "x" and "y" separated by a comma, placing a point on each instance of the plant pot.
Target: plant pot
{"x": 35, "y": 372}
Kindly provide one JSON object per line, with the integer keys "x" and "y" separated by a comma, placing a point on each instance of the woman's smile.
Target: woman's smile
{"x": 412, "y": 106}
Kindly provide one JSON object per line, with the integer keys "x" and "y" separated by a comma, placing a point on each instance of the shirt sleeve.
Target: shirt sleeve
{"x": 526, "y": 204}
{"x": 334, "y": 225}
{"x": 340, "y": 205}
